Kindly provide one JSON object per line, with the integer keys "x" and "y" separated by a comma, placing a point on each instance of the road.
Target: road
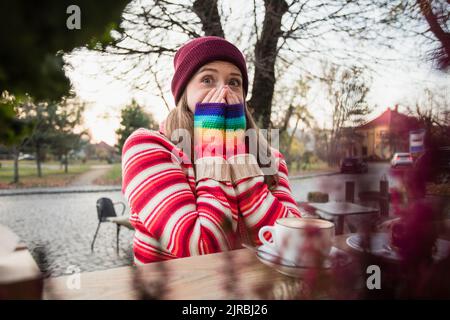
{"x": 334, "y": 185}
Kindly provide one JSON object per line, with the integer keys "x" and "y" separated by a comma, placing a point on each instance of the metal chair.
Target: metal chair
{"x": 107, "y": 213}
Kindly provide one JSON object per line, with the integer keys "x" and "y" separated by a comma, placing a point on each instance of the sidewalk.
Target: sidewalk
{"x": 82, "y": 183}
{"x": 88, "y": 178}
{"x": 94, "y": 188}
{"x": 312, "y": 175}
{"x": 73, "y": 189}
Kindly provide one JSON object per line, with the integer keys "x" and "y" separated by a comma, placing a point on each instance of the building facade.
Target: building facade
{"x": 385, "y": 135}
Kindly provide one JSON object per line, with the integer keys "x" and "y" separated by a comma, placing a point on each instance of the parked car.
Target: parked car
{"x": 354, "y": 164}
{"x": 27, "y": 157}
{"x": 402, "y": 159}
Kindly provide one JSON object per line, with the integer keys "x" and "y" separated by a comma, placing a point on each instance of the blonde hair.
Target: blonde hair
{"x": 182, "y": 118}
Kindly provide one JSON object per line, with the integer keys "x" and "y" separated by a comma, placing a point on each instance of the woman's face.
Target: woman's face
{"x": 216, "y": 74}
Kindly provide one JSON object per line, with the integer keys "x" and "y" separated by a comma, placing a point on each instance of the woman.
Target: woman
{"x": 187, "y": 203}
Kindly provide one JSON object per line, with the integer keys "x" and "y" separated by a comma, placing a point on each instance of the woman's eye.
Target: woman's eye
{"x": 234, "y": 82}
{"x": 207, "y": 80}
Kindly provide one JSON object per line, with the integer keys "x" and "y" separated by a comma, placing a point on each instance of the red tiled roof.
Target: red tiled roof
{"x": 390, "y": 118}
{"x": 383, "y": 120}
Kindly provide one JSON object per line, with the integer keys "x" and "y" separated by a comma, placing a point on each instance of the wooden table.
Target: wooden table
{"x": 20, "y": 277}
{"x": 199, "y": 277}
{"x": 340, "y": 210}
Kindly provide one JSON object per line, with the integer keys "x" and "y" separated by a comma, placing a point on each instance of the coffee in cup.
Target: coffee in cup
{"x": 299, "y": 240}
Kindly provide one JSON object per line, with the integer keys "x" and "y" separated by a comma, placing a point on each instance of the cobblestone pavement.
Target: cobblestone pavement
{"x": 62, "y": 226}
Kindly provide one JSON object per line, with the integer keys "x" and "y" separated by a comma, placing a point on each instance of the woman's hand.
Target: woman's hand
{"x": 209, "y": 124}
{"x": 235, "y": 125}
{"x": 215, "y": 96}
{"x": 231, "y": 97}
{"x": 222, "y": 95}
{"x": 219, "y": 124}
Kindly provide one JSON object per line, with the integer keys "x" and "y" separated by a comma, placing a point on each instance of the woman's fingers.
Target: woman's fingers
{"x": 207, "y": 98}
{"x": 232, "y": 98}
{"x": 228, "y": 97}
{"x": 219, "y": 95}
{"x": 222, "y": 95}
{"x": 215, "y": 95}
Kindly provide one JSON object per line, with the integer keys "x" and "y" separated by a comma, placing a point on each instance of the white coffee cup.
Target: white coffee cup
{"x": 299, "y": 240}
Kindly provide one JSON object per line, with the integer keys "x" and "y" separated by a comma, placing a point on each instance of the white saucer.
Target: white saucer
{"x": 379, "y": 246}
{"x": 338, "y": 258}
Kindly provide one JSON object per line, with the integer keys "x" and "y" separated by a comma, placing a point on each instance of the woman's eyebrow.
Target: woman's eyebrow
{"x": 216, "y": 71}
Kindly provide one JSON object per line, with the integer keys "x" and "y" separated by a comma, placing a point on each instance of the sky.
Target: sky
{"x": 398, "y": 80}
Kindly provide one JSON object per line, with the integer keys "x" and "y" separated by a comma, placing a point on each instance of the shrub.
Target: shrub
{"x": 318, "y": 197}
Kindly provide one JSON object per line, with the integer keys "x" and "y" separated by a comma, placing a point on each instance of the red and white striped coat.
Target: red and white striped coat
{"x": 176, "y": 216}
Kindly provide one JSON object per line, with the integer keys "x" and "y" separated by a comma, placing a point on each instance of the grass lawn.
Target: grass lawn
{"x": 52, "y": 174}
{"x": 112, "y": 177}
{"x": 316, "y": 167}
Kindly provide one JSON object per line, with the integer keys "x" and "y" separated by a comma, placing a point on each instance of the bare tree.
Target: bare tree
{"x": 432, "y": 110}
{"x": 298, "y": 110}
{"x": 347, "y": 90}
{"x": 427, "y": 20}
{"x": 437, "y": 16}
{"x": 273, "y": 34}
{"x": 288, "y": 101}
{"x": 265, "y": 57}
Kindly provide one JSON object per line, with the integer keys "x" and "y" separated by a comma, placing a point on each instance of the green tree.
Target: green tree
{"x": 53, "y": 127}
{"x": 66, "y": 133}
{"x": 13, "y": 129}
{"x": 29, "y": 62}
{"x": 133, "y": 117}
{"x": 33, "y": 37}
{"x": 42, "y": 115}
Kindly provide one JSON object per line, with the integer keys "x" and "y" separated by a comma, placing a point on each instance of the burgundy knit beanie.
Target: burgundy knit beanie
{"x": 200, "y": 51}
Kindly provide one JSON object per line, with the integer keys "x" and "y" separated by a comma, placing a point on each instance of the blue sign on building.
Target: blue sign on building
{"x": 416, "y": 141}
